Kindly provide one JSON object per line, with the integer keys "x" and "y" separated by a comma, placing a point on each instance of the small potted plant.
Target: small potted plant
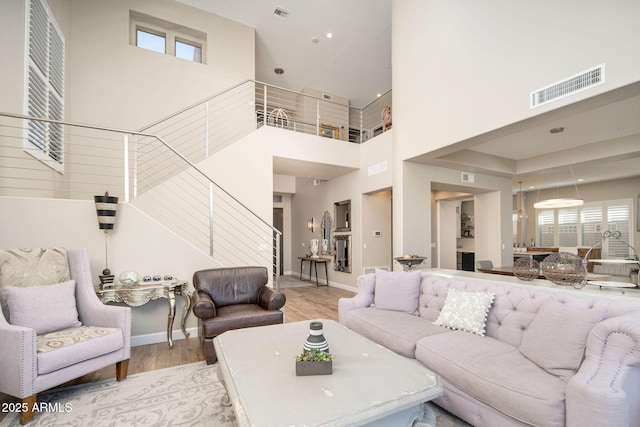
{"x": 314, "y": 362}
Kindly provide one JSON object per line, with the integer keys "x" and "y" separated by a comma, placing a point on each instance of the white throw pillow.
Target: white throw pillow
{"x": 466, "y": 310}
{"x": 397, "y": 290}
{"x": 44, "y": 308}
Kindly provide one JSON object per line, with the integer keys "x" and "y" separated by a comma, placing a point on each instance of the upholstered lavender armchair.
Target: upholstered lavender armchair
{"x": 54, "y": 328}
{"x": 233, "y": 298}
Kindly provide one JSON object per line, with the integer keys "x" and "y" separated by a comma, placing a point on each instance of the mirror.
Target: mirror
{"x": 325, "y": 232}
{"x": 343, "y": 215}
{"x": 342, "y": 254}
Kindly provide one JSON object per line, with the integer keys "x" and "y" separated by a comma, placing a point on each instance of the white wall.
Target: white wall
{"x": 464, "y": 68}
{"x": 137, "y": 243}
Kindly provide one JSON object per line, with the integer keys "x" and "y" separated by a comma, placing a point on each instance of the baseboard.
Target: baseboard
{"x": 343, "y": 286}
{"x": 157, "y": 337}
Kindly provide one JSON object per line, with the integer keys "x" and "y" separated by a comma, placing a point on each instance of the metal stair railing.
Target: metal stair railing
{"x": 168, "y": 187}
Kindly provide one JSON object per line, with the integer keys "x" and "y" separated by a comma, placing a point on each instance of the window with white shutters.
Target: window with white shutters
{"x": 591, "y": 224}
{"x": 584, "y": 226}
{"x": 546, "y": 228}
{"x": 45, "y": 82}
{"x": 619, "y": 219}
{"x": 568, "y": 227}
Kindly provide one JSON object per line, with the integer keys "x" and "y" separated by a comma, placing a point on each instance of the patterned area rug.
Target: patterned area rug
{"x": 186, "y": 395}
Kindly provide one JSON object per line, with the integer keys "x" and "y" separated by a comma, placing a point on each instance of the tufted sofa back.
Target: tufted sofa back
{"x": 515, "y": 306}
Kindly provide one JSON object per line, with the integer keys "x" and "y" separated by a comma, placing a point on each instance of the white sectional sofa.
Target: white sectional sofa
{"x": 548, "y": 358}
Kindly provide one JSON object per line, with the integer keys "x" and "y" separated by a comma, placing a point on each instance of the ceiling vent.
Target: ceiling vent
{"x": 467, "y": 177}
{"x": 327, "y": 97}
{"x": 281, "y": 13}
{"x": 576, "y": 83}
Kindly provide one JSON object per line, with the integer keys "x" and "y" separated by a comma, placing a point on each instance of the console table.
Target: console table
{"x": 140, "y": 294}
{"x": 313, "y": 262}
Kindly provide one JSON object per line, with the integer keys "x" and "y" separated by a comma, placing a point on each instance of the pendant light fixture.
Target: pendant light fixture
{"x": 560, "y": 202}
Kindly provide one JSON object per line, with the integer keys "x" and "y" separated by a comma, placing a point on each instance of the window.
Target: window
{"x": 584, "y": 226}
{"x": 188, "y": 51}
{"x": 151, "y": 41}
{"x": 166, "y": 37}
{"x": 45, "y": 84}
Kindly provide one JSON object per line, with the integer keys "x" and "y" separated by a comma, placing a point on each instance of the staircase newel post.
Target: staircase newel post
{"x": 264, "y": 103}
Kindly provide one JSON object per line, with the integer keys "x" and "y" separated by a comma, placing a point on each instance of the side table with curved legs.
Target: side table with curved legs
{"x": 140, "y": 294}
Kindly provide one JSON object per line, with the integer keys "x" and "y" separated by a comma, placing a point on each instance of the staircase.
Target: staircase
{"x": 160, "y": 168}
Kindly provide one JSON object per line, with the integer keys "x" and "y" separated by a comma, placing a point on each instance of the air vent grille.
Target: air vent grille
{"x": 576, "y": 83}
{"x": 281, "y": 13}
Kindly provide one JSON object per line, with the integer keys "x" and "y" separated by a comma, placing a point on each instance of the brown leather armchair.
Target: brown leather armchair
{"x": 233, "y": 298}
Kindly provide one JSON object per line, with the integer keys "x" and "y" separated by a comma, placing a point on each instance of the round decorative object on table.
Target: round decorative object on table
{"x": 129, "y": 278}
{"x": 409, "y": 261}
{"x": 526, "y": 268}
{"x": 316, "y": 339}
{"x": 564, "y": 268}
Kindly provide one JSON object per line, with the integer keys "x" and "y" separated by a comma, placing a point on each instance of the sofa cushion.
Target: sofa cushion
{"x": 67, "y": 355}
{"x": 557, "y": 337}
{"x": 397, "y": 290}
{"x": 44, "y": 308}
{"x": 497, "y": 374}
{"x": 466, "y": 311}
{"x": 394, "y": 330}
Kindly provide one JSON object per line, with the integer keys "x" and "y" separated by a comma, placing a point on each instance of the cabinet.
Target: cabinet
{"x": 468, "y": 261}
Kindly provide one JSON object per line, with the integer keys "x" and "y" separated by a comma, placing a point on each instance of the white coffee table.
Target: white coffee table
{"x": 370, "y": 385}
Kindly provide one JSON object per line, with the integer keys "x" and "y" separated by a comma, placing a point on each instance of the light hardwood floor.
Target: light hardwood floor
{"x": 303, "y": 303}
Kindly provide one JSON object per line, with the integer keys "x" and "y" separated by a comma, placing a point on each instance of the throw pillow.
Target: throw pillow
{"x": 397, "y": 290}
{"x": 44, "y": 308}
{"x": 465, "y": 310}
{"x": 556, "y": 338}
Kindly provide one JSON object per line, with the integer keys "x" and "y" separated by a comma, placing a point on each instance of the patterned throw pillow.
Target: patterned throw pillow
{"x": 466, "y": 311}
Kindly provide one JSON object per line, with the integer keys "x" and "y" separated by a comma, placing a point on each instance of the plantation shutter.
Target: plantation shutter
{"x": 568, "y": 227}
{"x": 618, "y": 219}
{"x": 591, "y": 222}
{"x": 45, "y": 87}
{"x": 546, "y": 228}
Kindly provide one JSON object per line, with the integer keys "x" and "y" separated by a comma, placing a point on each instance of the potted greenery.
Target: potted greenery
{"x": 314, "y": 362}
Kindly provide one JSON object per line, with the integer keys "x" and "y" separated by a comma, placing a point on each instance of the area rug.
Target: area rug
{"x": 186, "y": 395}
{"x": 288, "y": 281}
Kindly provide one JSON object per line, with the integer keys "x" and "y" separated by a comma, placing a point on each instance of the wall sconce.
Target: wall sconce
{"x": 311, "y": 225}
{"x": 106, "y": 208}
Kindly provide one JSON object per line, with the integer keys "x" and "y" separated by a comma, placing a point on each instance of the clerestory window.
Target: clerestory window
{"x": 166, "y": 37}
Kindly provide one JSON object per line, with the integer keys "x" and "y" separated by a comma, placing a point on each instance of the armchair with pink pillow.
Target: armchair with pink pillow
{"x": 54, "y": 328}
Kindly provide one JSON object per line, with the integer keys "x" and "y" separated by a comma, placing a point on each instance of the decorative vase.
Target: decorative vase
{"x": 316, "y": 339}
{"x": 313, "y": 246}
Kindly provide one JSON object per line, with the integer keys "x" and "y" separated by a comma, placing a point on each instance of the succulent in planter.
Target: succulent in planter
{"x": 314, "y": 362}
{"x": 314, "y": 356}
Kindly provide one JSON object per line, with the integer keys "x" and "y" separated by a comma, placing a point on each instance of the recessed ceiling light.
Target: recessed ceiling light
{"x": 329, "y": 35}
{"x": 278, "y": 71}
{"x": 314, "y": 40}
{"x": 580, "y": 179}
{"x": 379, "y": 95}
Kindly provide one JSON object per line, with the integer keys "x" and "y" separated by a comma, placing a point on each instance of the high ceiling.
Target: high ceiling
{"x": 360, "y": 44}
{"x": 601, "y": 137}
